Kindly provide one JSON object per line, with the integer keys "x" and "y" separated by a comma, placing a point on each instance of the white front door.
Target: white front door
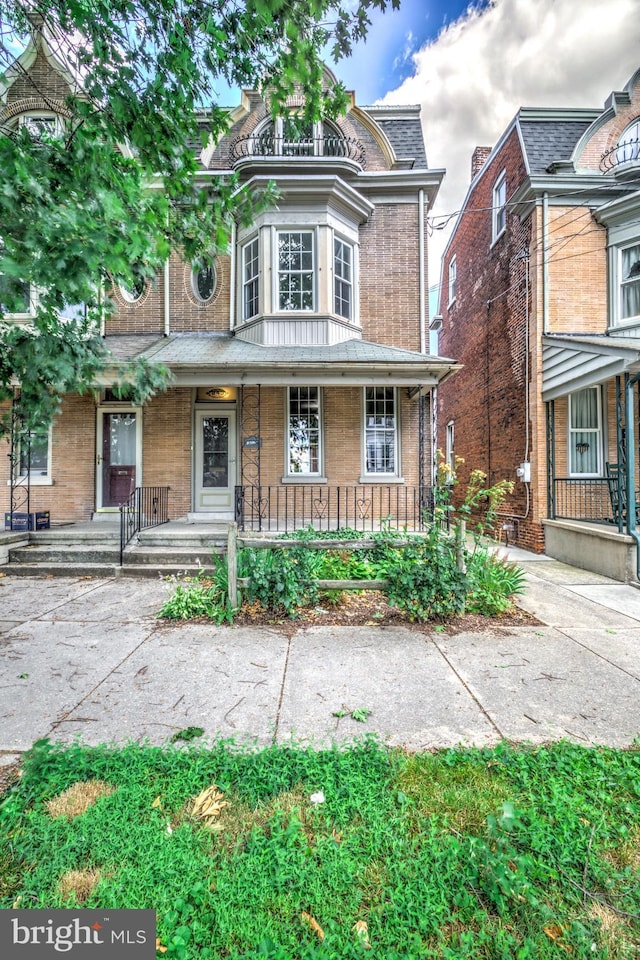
{"x": 119, "y": 456}
{"x": 215, "y": 466}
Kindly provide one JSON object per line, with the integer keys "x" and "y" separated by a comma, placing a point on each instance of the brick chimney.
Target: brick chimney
{"x": 479, "y": 159}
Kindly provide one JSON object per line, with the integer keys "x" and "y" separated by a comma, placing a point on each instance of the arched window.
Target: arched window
{"x": 628, "y": 148}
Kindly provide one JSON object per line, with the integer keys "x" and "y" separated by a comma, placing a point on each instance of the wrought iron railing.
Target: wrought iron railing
{"x": 622, "y": 153}
{"x": 146, "y": 507}
{"x": 268, "y": 145}
{"x": 586, "y": 499}
{"x": 323, "y": 507}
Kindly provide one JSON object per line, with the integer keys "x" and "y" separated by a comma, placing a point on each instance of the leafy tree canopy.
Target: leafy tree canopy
{"x": 107, "y": 198}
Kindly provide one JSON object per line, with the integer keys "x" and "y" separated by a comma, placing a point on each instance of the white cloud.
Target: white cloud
{"x": 473, "y": 78}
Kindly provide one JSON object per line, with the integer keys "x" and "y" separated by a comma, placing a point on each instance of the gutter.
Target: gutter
{"x": 545, "y": 262}
{"x": 421, "y": 271}
{"x": 630, "y": 444}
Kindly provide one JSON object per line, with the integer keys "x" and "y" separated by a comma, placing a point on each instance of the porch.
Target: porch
{"x": 142, "y": 541}
{"x": 591, "y": 388}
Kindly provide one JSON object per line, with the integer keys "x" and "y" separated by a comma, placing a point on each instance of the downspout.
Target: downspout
{"x": 545, "y": 262}
{"x": 167, "y": 304}
{"x": 630, "y": 441}
{"x": 232, "y": 279}
{"x": 421, "y": 273}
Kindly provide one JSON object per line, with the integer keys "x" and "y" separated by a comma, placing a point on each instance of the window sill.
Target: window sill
{"x": 34, "y": 482}
{"x": 497, "y": 237}
{"x": 306, "y": 478}
{"x": 381, "y": 478}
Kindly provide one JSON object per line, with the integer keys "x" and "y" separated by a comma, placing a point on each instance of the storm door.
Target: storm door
{"x": 215, "y": 461}
{"x": 118, "y": 456}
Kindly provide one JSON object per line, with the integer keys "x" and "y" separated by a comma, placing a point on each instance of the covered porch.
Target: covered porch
{"x": 591, "y": 390}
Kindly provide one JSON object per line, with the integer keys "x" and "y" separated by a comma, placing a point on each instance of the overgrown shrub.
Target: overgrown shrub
{"x": 493, "y": 581}
{"x": 424, "y": 581}
{"x": 282, "y": 580}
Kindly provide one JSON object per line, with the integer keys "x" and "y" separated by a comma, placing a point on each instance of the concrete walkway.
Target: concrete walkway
{"x": 87, "y": 658}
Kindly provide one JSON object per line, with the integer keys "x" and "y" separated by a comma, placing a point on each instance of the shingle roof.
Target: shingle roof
{"x": 550, "y": 140}
{"x": 225, "y": 350}
{"x": 406, "y": 139}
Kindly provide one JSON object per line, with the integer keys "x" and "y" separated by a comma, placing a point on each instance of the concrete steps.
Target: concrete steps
{"x": 93, "y": 550}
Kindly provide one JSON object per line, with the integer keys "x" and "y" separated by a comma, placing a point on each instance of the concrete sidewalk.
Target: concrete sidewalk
{"x": 88, "y": 658}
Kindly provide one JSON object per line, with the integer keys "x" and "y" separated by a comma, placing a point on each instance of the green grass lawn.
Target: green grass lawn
{"x": 496, "y": 853}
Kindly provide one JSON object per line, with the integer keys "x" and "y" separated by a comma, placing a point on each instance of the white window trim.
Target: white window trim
{"x": 275, "y": 290}
{"x": 255, "y": 277}
{"x": 195, "y": 272}
{"x": 599, "y": 433}
{"x": 453, "y": 277}
{"x": 33, "y": 306}
{"x": 498, "y": 208}
{"x": 352, "y": 283}
{"x": 620, "y": 320}
{"x": 449, "y": 452}
{"x": 396, "y": 475}
{"x": 37, "y": 480}
{"x": 318, "y": 476}
{"x": 58, "y": 127}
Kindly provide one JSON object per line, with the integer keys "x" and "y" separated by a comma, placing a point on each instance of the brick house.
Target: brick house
{"x": 540, "y": 302}
{"x": 302, "y": 383}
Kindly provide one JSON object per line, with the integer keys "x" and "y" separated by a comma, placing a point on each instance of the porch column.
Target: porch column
{"x": 551, "y": 458}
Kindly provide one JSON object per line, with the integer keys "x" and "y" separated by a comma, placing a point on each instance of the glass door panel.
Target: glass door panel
{"x": 119, "y": 448}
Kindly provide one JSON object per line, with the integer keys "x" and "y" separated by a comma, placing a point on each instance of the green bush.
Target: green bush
{"x": 281, "y": 580}
{"x": 493, "y": 581}
{"x": 423, "y": 579}
{"x": 195, "y": 599}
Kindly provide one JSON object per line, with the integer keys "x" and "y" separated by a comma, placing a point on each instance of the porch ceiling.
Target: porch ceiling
{"x": 197, "y": 359}
{"x": 571, "y": 363}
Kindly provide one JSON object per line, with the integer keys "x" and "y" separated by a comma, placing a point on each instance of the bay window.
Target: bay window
{"x": 250, "y": 277}
{"x": 343, "y": 278}
{"x": 630, "y": 282}
{"x": 296, "y": 270}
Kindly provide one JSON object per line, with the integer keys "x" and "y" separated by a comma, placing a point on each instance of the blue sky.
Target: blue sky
{"x": 383, "y": 61}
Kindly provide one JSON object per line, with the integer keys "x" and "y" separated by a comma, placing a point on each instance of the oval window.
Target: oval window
{"x": 203, "y": 282}
{"x": 132, "y": 294}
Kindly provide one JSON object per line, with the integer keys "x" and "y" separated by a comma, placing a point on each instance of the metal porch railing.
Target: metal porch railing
{"x": 146, "y": 507}
{"x": 585, "y": 499}
{"x": 324, "y": 507}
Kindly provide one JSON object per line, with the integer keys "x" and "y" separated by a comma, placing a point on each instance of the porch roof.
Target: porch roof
{"x": 573, "y": 362}
{"x": 197, "y": 359}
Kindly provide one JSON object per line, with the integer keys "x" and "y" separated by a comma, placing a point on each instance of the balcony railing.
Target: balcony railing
{"x": 621, "y": 154}
{"x": 268, "y": 145}
{"x": 582, "y": 499}
{"x": 362, "y": 507}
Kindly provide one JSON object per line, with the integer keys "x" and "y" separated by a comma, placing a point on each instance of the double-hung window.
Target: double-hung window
{"x": 296, "y": 270}
{"x": 499, "y": 206}
{"x": 380, "y": 431}
{"x": 34, "y": 458}
{"x": 453, "y": 274}
{"x": 630, "y": 282}
{"x": 585, "y": 433}
{"x": 304, "y": 432}
{"x": 449, "y": 455}
{"x": 16, "y": 297}
{"x": 250, "y": 279}
{"x": 343, "y": 278}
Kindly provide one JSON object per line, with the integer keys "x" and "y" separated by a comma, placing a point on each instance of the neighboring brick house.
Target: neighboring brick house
{"x": 302, "y": 382}
{"x": 540, "y": 302}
